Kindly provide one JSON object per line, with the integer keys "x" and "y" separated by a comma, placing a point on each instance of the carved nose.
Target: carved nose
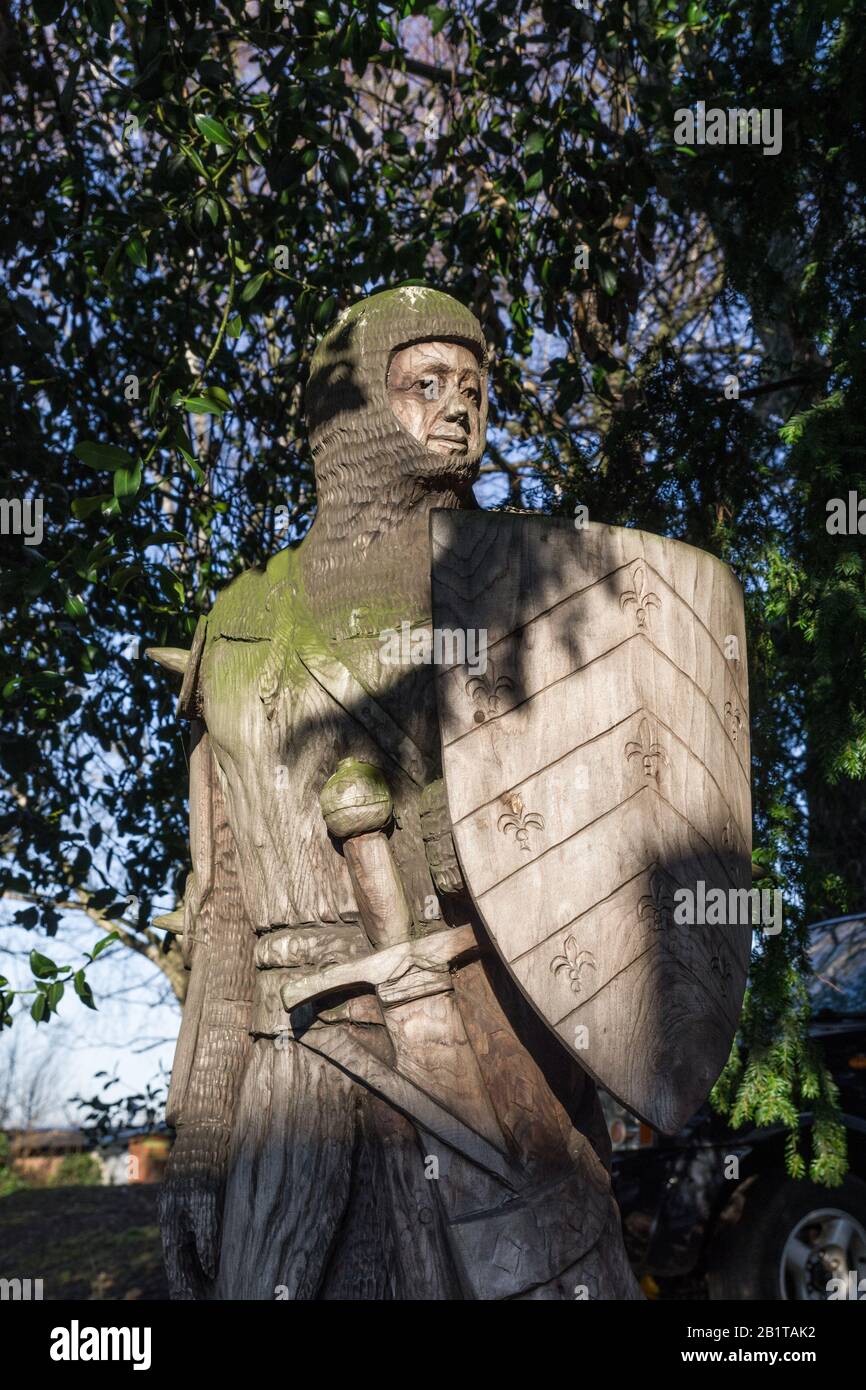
{"x": 455, "y": 409}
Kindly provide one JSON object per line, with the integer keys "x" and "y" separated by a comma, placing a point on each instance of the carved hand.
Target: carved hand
{"x": 190, "y": 1203}
{"x": 438, "y": 841}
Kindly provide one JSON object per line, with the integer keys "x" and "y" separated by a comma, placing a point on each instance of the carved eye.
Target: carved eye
{"x": 429, "y": 386}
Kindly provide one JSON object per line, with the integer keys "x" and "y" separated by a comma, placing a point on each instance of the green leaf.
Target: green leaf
{"x": 235, "y": 326}
{"x": 101, "y": 14}
{"x": 438, "y": 17}
{"x": 535, "y": 143}
{"x": 166, "y": 537}
{"x": 43, "y": 967}
{"x": 127, "y": 481}
{"x": 83, "y": 507}
{"x": 123, "y": 576}
{"x": 325, "y": 311}
{"x": 38, "y": 1007}
{"x": 99, "y": 456}
{"x": 200, "y": 405}
{"x": 214, "y": 131}
{"x": 181, "y": 441}
{"x": 251, "y": 289}
{"x": 534, "y": 182}
{"x": 83, "y": 990}
{"x": 361, "y": 134}
{"x": 171, "y": 586}
{"x": 74, "y": 606}
{"x": 195, "y": 160}
{"x": 137, "y": 252}
{"x": 497, "y": 141}
{"x": 103, "y": 944}
{"x": 111, "y": 264}
{"x": 337, "y": 175}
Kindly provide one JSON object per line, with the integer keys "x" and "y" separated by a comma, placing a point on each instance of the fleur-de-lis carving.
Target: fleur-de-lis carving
{"x": 648, "y": 750}
{"x": 519, "y": 820}
{"x": 656, "y": 908}
{"x": 487, "y": 688}
{"x": 574, "y": 961}
{"x": 643, "y": 599}
{"x": 734, "y": 719}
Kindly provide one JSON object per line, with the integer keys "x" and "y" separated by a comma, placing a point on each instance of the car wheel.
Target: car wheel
{"x": 780, "y": 1238}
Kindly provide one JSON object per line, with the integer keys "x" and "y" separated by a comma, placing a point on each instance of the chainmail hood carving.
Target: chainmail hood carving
{"x": 348, "y": 413}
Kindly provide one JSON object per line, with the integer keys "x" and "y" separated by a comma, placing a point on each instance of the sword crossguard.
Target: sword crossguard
{"x": 387, "y": 970}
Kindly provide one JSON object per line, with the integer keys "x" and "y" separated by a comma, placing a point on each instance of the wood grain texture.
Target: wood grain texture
{"x": 598, "y": 766}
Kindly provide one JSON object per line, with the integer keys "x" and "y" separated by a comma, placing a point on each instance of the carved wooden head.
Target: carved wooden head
{"x": 398, "y": 389}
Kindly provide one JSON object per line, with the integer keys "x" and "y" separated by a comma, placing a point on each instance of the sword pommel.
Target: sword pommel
{"x": 356, "y": 800}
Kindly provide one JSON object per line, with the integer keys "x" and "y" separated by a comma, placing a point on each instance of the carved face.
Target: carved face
{"x": 434, "y": 389}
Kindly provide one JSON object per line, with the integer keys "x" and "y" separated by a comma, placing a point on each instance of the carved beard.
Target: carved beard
{"x": 436, "y": 471}
{"x": 372, "y": 476}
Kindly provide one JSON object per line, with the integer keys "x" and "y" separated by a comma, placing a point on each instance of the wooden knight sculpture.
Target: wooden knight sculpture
{"x": 448, "y": 769}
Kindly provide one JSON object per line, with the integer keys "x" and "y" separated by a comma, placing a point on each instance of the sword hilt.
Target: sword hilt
{"x": 357, "y": 807}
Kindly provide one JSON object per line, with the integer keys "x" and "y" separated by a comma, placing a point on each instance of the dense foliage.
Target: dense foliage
{"x": 192, "y": 192}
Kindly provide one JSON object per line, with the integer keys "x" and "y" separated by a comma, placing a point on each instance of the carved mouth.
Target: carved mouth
{"x": 459, "y": 441}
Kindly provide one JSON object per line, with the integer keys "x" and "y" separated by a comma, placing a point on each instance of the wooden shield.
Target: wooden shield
{"x": 599, "y": 764}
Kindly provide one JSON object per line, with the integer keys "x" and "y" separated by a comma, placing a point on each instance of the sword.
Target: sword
{"x": 436, "y": 1079}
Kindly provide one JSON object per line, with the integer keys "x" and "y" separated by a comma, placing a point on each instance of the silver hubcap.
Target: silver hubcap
{"x": 825, "y": 1245}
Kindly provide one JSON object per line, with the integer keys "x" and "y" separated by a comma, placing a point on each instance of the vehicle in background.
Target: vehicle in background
{"x": 747, "y": 1230}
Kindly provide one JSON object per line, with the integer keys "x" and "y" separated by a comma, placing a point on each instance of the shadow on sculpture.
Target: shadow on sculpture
{"x": 429, "y": 902}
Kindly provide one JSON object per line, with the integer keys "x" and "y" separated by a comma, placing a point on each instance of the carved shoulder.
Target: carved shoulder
{"x": 243, "y": 607}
